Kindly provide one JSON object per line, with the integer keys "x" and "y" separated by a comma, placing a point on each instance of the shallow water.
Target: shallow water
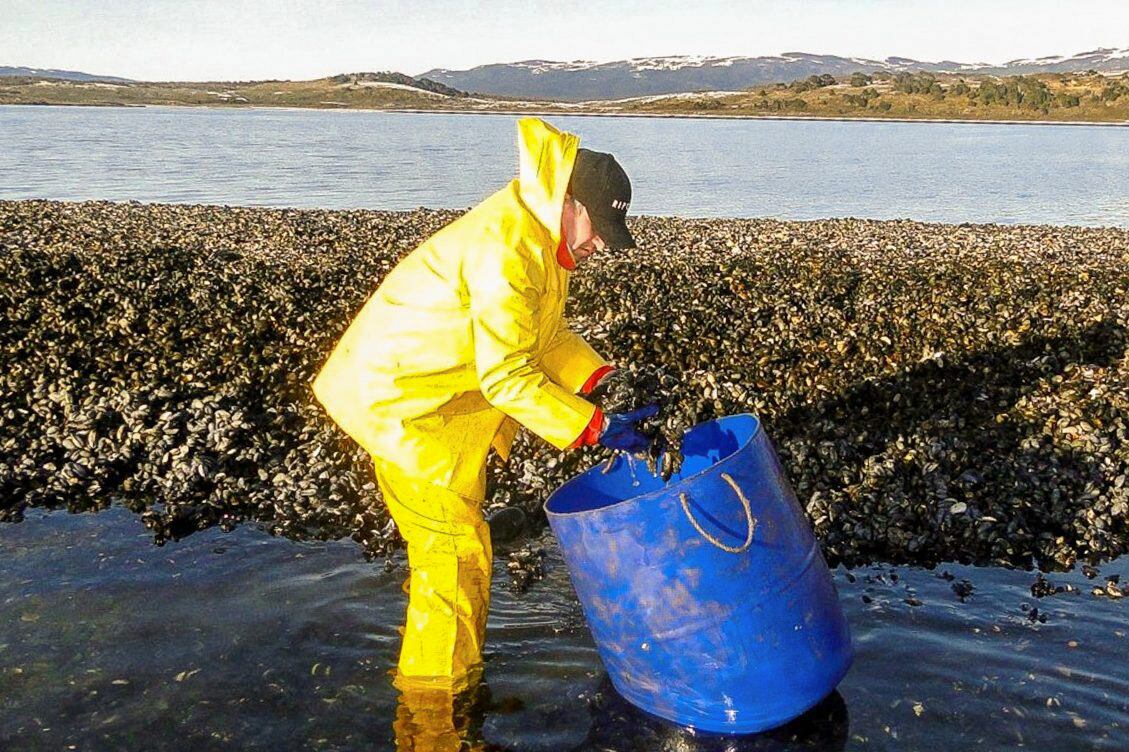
{"x": 942, "y": 172}
{"x": 245, "y": 641}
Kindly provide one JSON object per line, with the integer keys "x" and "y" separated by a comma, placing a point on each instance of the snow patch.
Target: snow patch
{"x": 1100, "y": 55}
{"x": 540, "y": 66}
{"x": 863, "y": 61}
{"x": 673, "y": 62}
{"x": 391, "y": 85}
{"x": 661, "y": 97}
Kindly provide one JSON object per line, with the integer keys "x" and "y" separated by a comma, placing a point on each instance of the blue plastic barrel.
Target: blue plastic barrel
{"x": 708, "y": 597}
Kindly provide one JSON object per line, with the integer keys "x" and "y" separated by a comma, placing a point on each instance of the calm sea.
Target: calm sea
{"x": 944, "y": 172}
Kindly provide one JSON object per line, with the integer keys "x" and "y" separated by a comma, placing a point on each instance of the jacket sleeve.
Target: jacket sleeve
{"x": 569, "y": 360}
{"x": 505, "y": 293}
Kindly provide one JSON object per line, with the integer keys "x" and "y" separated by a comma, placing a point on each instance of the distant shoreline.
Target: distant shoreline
{"x": 707, "y": 116}
{"x": 551, "y": 113}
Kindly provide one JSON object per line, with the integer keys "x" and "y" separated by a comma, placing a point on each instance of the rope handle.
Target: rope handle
{"x": 749, "y": 519}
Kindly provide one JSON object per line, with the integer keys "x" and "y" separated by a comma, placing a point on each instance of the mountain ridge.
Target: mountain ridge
{"x": 64, "y": 75}
{"x": 581, "y": 80}
{"x": 586, "y": 80}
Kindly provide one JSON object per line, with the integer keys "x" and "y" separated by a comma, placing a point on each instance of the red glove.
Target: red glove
{"x": 594, "y": 380}
{"x": 592, "y": 431}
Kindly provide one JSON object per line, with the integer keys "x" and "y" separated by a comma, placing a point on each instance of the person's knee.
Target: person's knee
{"x": 472, "y": 541}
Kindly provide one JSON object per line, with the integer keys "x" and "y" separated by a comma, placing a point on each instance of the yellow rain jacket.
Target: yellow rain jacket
{"x": 460, "y": 343}
{"x": 467, "y": 331}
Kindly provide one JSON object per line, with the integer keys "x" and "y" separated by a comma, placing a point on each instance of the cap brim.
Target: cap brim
{"x": 614, "y": 232}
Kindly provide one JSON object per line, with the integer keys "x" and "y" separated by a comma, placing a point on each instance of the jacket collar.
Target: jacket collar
{"x": 564, "y": 256}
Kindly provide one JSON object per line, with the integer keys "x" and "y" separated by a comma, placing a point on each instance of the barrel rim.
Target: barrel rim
{"x": 668, "y": 489}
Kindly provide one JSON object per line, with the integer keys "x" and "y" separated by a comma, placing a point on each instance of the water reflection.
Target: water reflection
{"x": 430, "y": 718}
{"x": 618, "y": 726}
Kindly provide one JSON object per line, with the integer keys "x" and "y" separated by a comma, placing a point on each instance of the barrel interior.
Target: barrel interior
{"x": 703, "y": 446}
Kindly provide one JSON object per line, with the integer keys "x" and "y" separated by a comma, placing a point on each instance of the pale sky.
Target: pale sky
{"x": 301, "y": 39}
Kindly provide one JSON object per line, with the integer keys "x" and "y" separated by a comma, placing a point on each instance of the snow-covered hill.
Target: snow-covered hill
{"x": 586, "y": 79}
{"x": 1103, "y": 60}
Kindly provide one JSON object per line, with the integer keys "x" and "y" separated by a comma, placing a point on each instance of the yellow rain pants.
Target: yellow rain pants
{"x": 450, "y": 558}
{"x": 463, "y": 341}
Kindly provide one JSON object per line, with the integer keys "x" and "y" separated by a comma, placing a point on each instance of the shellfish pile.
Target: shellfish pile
{"x": 935, "y": 392}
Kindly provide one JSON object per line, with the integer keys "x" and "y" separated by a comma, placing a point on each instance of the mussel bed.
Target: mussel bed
{"x": 935, "y": 392}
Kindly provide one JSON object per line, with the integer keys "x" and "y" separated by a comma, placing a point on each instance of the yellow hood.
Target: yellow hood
{"x": 545, "y": 160}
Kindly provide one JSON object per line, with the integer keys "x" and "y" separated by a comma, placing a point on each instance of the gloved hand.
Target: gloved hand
{"x": 621, "y": 430}
{"x": 616, "y": 392}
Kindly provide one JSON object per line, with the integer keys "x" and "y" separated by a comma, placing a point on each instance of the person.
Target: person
{"x": 463, "y": 342}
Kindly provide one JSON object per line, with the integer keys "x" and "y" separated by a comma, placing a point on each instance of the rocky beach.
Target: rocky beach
{"x": 935, "y": 392}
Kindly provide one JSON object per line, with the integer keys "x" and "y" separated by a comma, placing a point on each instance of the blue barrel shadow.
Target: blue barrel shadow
{"x": 708, "y": 598}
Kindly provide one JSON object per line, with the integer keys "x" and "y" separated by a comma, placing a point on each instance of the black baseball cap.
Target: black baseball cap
{"x": 602, "y": 186}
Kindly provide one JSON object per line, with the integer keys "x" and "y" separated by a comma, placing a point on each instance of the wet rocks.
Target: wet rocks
{"x": 525, "y": 566}
{"x": 934, "y": 392}
{"x": 1111, "y": 589}
{"x": 506, "y": 524}
{"x": 963, "y": 589}
{"x": 1042, "y": 587}
{"x": 1034, "y": 615}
